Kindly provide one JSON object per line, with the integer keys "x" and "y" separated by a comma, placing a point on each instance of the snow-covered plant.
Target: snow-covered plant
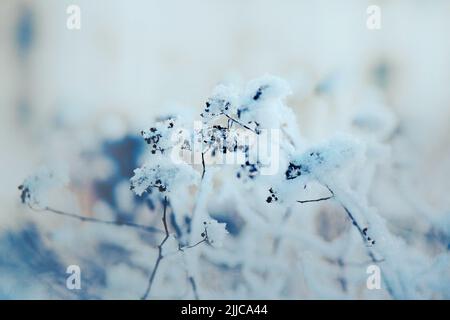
{"x": 34, "y": 191}
{"x": 233, "y": 195}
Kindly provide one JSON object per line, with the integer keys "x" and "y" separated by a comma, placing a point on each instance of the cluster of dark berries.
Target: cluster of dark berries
{"x": 259, "y": 92}
{"x": 293, "y": 171}
{"x": 204, "y": 234}
{"x": 272, "y": 197}
{"x": 256, "y": 126}
{"x": 25, "y": 193}
{"x": 154, "y": 135}
{"x": 159, "y": 185}
{"x": 369, "y": 239}
{"x": 218, "y": 140}
{"x": 249, "y": 170}
{"x": 215, "y": 107}
{"x": 156, "y": 184}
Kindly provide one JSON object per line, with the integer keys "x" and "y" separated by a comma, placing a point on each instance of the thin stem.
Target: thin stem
{"x": 352, "y": 218}
{"x": 194, "y": 245}
{"x": 229, "y": 124}
{"x": 152, "y": 276}
{"x": 160, "y": 256}
{"x": 240, "y": 123}
{"x": 164, "y": 219}
{"x": 364, "y": 237}
{"x": 203, "y": 165}
{"x": 355, "y": 223}
{"x": 315, "y": 200}
{"x": 194, "y": 287}
{"x": 96, "y": 220}
{"x": 349, "y": 214}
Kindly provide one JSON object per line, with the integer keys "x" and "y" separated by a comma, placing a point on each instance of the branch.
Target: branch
{"x": 361, "y": 231}
{"x": 352, "y": 218}
{"x": 160, "y": 256}
{"x": 194, "y": 287}
{"x": 315, "y": 200}
{"x": 203, "y": 165}
{"x": 96, "y": 220}
{"x": 240, "y": 123}
{"x": 192, "y": 246}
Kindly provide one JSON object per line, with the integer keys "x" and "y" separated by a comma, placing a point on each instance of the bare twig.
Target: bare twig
{"x": 160, "y": 256}
{"x": 203, "y": 165}
{"x": 352, "y": 218}
{"x": 96, "y": 220}
{"x": 194, "y": 287}
{"x": 192, "y": 246}
{"x": 240, "y": 123}
{"x": 361, "y": 231}
{"x": 315, "y": 200}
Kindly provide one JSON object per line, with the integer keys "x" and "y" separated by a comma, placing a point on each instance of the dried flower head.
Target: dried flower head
{"x": 163, "y": 135}
{"x": 160, "y": 174}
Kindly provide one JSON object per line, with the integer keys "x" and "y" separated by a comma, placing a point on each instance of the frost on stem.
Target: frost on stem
{"x": 36, "y": 188}
{"x": 34, "y": 193}
{"x": 323, "y": 163}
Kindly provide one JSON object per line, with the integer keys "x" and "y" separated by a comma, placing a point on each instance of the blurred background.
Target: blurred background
{"x": 80, "y": 97}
